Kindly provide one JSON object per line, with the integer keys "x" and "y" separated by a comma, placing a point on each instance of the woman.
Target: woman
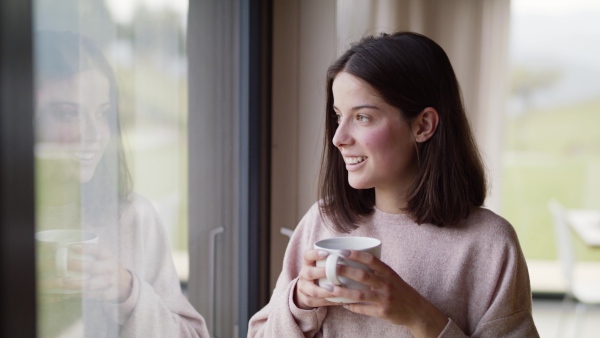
{"x": 83, "y": 183}
{"x": 400, "y": 165}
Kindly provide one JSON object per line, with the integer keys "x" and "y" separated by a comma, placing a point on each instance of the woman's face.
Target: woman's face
{"x": 376, "y": 143}
{"x": 72, "y": 123}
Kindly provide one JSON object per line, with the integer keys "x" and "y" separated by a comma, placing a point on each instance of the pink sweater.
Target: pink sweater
{"x": 474, "y": 272}
{"x": 156, "y": 306}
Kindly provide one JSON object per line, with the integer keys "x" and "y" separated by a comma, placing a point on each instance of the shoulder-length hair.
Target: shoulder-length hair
{"x": 411, "y": 72}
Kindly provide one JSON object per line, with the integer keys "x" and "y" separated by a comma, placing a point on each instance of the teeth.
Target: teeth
{"x": 83, "y": 155}
{"x": 354, "y": 160}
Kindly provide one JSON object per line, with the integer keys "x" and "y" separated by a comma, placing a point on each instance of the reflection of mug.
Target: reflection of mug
{"x": 58, "y": 242}
{"x": 334, "y": 246}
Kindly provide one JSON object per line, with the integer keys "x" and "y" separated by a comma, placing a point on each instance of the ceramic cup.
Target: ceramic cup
{"x": 56, "y": 244}
{"x": 334, "y": 246}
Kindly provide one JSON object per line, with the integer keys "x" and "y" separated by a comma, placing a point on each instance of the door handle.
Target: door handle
{"x": 211, "y": 273}
{"x": 286, "y": 232}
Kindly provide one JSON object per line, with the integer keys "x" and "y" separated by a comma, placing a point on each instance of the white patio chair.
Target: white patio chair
{"x": 582, "y": 292}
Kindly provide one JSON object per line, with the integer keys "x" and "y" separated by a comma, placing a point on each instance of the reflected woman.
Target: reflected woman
{"x": 131, "y": 287}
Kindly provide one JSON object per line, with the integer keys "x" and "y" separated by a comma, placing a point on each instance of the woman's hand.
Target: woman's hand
{"x": 107, "y": 279}
{"x": 308, "y": 293}
{"x": 390, "y": 297}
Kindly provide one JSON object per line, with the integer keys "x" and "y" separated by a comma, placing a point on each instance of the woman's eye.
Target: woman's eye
{"x": 103, "y": 113}
{"x": 66, "y": 115}
{"x": 362, "y": 118}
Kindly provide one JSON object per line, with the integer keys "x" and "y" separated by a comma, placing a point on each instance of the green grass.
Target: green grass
{"x": 152, "y": 103}
{"x": 550, "y": 154}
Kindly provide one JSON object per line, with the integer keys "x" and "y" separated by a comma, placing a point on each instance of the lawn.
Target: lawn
{"x": 551, "y": 154}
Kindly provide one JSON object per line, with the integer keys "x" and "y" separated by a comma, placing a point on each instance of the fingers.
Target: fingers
{"x": 91, "y": 259}
{"x": 368, "y": 309}
{"x": 371, "y": 261}
{"x": 53, "y": 284}
{"x": 360, "y": 296}
{"x": 311, "y": 273}
{"x": 99, "y": 252}
{"x": 361, "y": 276}
{"x": 97, "y": 268}
{"x": 311, "y": 256}
{"x": 92, "y": 267}
{"x": 310, "y": 295}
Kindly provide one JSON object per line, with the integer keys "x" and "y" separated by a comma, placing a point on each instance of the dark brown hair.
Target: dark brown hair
{"x": 411, "y": 72}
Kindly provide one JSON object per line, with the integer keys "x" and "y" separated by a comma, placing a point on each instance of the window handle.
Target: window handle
{"x": 211, "y": 273}
{"x": 286, "y": 232}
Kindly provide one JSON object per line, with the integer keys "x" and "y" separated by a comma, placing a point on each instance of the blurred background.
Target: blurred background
{"x": 551, "y": 145}
{"x": 551, "y": 151}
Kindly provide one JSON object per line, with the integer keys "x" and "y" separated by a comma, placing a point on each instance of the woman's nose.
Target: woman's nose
{"x": 342, "y": 136}
{"x": 90, "y": 130}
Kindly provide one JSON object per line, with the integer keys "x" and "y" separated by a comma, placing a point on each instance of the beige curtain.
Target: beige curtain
{"x": 309, "y": 35}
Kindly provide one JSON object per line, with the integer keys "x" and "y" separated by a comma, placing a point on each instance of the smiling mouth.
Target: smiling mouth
{"x": 83, "y": 155}
{"x": 355, "y": 160}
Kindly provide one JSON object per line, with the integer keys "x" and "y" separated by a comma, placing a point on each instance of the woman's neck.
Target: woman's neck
{"x": 391, "y": 202}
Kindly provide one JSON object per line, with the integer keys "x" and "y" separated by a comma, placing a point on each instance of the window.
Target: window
{"x": 149, "y": 165}
{"x": 111, "y": 164}
{"x": 551, "y": 146}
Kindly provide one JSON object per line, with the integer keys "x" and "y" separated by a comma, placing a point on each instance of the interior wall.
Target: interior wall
{"x": 304, "y": 45}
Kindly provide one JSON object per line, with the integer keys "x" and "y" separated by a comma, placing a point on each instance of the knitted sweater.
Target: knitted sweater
{"x": 474, "y": 272}
{"x": 156, "y": 306}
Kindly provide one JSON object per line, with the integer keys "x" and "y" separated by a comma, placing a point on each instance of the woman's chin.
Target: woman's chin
{"x": 359, "y": 185}
{"x": 86, "y": 175}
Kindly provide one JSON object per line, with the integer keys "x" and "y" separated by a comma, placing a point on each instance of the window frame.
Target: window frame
{"x": 17, "y": 213}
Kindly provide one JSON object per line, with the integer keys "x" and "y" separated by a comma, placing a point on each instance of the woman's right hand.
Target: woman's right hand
{"x": 308, "y": 293}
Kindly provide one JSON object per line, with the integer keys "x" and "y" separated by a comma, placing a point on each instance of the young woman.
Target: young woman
{"x": 84, "y": 184}
{"x": 400, "y": 165}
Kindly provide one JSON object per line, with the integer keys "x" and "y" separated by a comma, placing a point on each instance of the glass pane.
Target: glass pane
{"x": 111, "y": 169}
{"x": 552, "y": 146}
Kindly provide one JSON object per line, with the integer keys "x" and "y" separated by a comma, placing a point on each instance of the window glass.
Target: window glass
{"x": 552, "y": 146}
{"x": 111, "y": 168}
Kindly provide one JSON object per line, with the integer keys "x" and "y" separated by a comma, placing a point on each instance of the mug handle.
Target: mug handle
{"x": 331, "y": 269}
{"x": 61, "y": 260}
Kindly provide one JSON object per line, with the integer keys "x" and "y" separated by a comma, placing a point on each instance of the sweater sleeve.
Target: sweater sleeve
{"x": 452, "y": 331}
{"x": 509, "y": 313}
{"x": 156, "y": 306}
{"x": 519, "y": 324}
{"x": 281, "y": 317}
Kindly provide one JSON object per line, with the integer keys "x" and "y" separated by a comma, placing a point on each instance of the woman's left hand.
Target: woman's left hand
{"x": 390, "y": 297}
{"x": 108, "y": 279}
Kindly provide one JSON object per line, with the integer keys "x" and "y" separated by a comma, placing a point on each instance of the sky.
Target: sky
{"x": 553, "y": 7}
{"x": 122, "y": 10}
{"x": 561, "y": 35}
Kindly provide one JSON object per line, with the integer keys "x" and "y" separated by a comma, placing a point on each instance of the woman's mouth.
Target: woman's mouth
{"x": 83, "y": 155}
{"x": 354, "y": 159}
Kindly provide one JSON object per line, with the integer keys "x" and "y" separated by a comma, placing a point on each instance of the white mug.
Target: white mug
{"x": 334, "y": 245}
{"x": 60, "y": 240}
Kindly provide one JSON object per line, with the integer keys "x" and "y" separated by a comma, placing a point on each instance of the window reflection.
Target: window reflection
{"x": 105, "y": 268}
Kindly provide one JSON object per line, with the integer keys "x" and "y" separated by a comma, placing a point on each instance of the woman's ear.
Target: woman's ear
{"x": 424, "y": 126}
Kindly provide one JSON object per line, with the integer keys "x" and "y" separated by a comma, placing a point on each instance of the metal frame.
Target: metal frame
{"x": 17, "y": 219}
{"x": 255, "y": 132}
